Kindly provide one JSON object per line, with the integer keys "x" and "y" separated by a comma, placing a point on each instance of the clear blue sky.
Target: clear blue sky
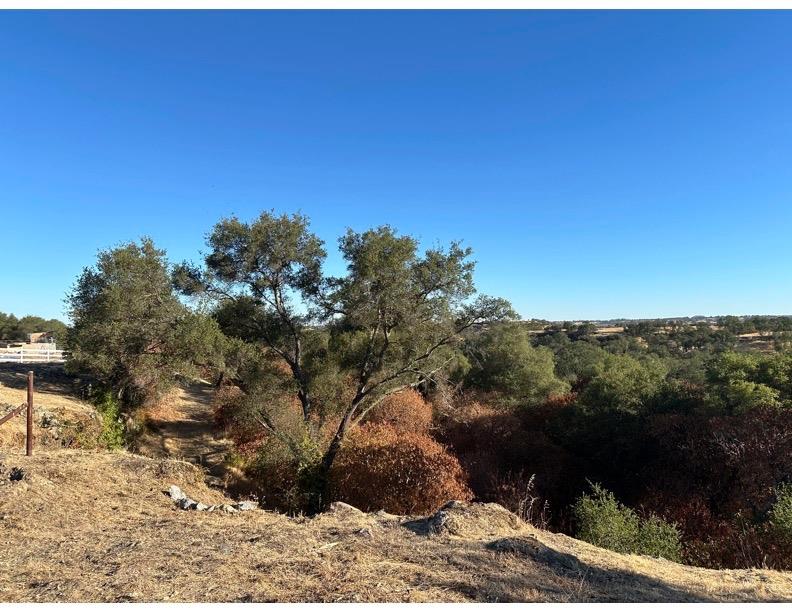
{"x": 600, "y": 164}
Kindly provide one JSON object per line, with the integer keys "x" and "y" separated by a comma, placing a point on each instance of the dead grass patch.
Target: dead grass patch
{"x": 97, "y": 526}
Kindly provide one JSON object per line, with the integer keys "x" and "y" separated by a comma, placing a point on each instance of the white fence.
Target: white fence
{"x": 31, "y": 355}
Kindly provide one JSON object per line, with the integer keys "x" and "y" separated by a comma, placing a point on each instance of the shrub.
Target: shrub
{"x": 657, "y": 538}
{"x": 228, "y": 415}
{"x": 732, "y": 461}
{"x": 380, "y": 467}
{"x": 605, "y": 522}
{"x": 781, "y": 513}
{"x": 112, "y": 435}
{"x": 285, "y": 475}
{"x": 406, "y": 411}
{"x": 500, "y": 449}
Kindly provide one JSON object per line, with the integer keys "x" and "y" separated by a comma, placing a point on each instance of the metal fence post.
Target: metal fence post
{"x": 29, "y": 445}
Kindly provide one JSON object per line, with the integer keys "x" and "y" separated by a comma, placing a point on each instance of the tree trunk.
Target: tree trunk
{"x": 319, "y": 498}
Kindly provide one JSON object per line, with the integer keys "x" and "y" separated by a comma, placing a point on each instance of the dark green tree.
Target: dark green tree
{"x": 503, "y": 360}
{"x": 130, "y": 331}
{"x": 393, "y": 321}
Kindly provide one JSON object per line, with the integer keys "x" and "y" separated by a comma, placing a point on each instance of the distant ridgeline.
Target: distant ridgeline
{"x": 742, "y": 324}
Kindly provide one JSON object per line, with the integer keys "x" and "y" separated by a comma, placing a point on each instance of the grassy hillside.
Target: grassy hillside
{"x": 98, "y": 526}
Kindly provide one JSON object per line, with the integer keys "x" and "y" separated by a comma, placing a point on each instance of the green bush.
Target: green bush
{"x": 781, "y": 513}
{"x": 605, "y": 522}
{"x": 108, "y": 406}
{"x": 657, "y": 538}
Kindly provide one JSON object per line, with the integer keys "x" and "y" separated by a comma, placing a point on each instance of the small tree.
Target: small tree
{"x": 504, "y": 360}
{"x": 391, "y": 323}
{"x": 781, "y": 513}
{"x": 130, "y": 332}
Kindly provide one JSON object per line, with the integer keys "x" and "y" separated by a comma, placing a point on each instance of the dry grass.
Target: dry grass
{"x": 52, "y": 395}
{"x": 97, "y": 526}
{"x": 83, "y": 526}
{"x": 163, "y": 409}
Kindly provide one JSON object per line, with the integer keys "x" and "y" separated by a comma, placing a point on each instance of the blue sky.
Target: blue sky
{"x": 600, "y": 164}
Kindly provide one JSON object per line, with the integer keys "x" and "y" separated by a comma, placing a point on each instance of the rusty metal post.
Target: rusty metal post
{"x": 29, "y": 446}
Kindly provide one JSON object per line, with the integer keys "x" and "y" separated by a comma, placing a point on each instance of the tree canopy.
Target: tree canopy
{"x": 393, "y": 321}
{"x": 130, "y": 331}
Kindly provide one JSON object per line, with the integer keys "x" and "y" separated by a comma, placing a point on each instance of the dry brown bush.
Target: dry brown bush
{"x": 225, "y": 406}
{"x": 503, "y": 450}
{"x": 403, "y": 472}
{"x": 406, "y": 411}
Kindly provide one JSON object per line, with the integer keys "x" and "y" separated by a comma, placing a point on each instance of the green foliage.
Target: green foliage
{"x": 658, "y": 538}
{"x": 289, "y": 470}
{"x": 781, "y": 513}
{"x": 130, "y": 331}
{"x": 622, "y": 382}
{"x": 113, "y": 432}
{"x": 603, "y": 521}
{"x": 739, "y": 381}
{"x": 504, "y": 360}
{"x": 579, "y": 361}
{"x": 393, "y": 321}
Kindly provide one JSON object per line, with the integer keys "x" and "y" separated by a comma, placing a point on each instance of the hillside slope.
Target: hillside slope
{"x": 60, "y": 418}
{"x": 95, "y": 526}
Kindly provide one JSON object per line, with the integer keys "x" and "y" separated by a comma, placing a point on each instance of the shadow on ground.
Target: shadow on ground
{"x": 47, "y": 377}
{"x": 595, "y": 583}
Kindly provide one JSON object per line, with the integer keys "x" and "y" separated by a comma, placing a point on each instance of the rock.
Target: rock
{"x": 387, "y": 516}
{"x": 185, "y": 503}
{"x": 468, "y": 520}
{"x": 48, "y": 420}
{"x": 365, "y": 532}
{"x": 176, "y": 493}
{"x": 342, "y": 509}
{"x": 16, "y": 474}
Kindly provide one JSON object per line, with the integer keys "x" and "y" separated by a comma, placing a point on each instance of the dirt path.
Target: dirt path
{"x": 185, "y": 431}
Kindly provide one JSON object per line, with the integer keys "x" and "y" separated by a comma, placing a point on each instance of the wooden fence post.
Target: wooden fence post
{"x": 29, "y": 444}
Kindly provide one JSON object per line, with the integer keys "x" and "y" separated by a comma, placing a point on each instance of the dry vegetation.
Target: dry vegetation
{"x": 83, "y": 525}
{"x": 90, "y": 526}
{"x": 60, "y": 418}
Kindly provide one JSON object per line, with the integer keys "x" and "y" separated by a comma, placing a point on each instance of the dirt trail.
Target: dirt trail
{"x": 186, "y": 431}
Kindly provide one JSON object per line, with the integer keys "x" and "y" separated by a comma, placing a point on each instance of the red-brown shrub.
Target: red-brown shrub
{"x": 406, "y": 411}
{"x": 223, "y": 402}
{"x": 501, "y": 449}
{"x": 380, "y": 467}
{"x": 225, "y": 408}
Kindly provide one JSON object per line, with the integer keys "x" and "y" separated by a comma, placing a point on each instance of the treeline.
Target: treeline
{"x": 17, "y": 329}
{"x": 397, "y": 386}
{"x": 699, "y": 439}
